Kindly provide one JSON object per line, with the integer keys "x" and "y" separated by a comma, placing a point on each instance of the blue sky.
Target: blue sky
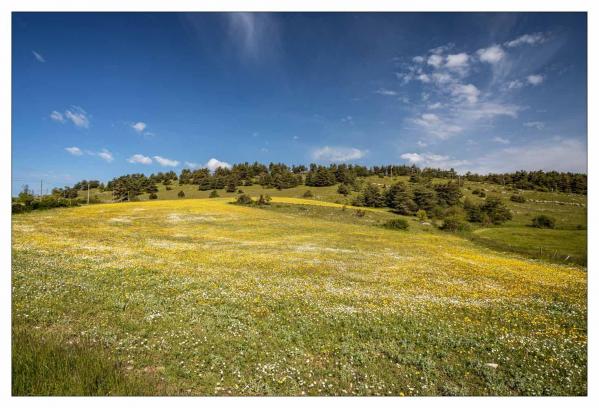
{"x": 96, "y": 95}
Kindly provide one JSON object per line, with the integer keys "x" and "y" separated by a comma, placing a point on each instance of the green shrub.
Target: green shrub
{"x": 454, "y": 224}
{"x": 153, "y": 196}
{"x": 397, "y": 223}
{"x": 244, "y": 199}
{"x": 343, "y": 189}
{"x": 517, "y": 198}
{"x": 308, "y": 194}
{"x": 213, "y": 194}
{"x": 181, "y": 194}
{"x": 421, "y": 214}
{"x": 543, "y": 221}
{"x": 360, "y": 213}
{"x": 264, "y": 200}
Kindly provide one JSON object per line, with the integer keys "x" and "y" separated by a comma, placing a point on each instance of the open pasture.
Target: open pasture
{"x": 204, "y": 297}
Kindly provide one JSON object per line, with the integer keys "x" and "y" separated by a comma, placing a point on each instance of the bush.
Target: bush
{"x": 397, "y": 223}
{"x": 213, "y": 194}
{"x": 264, "y": 200}
{"x": 343, "y": 189}
{"x": 153, "y": 196}
{"x": 543, "y": 221}
{"x": 421, "y": 214}
{"x": 18, "y": 208}
{"x": 517, "y": 198}
{"x": 308, "y": 194}
{"x": 360, "y": 213}
{"x": 168, "y": 188}
{"x": 181, "y": 194}
{"x": 240, "y": 191}
{"x": 244, "y": 199}
{"x": 454, "y": 224}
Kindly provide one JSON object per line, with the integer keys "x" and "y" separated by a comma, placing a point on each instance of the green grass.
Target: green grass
{"x": 568, "y": 246}
{"x": 202, "y": 297}
{"x": 45, "y": 364}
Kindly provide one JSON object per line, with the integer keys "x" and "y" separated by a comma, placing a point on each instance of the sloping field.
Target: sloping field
{"x": 210, "y": 298}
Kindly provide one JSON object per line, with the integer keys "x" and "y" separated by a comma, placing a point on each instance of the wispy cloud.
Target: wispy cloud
{"x": 106, "y": 155}
{"x": 255, "y": 35}
{"x": 78, "y": 116}
{"x": 527, "y": 39}
{"x": 139, "y": 127}
{"x": 163, "y": 161}
{"x": 338, "y": 154}
{"x": 38, "y": 56}
{"x": 501, "y": 140}
{"x": 535, "y": 79}
{"x": 57, "y": 116}
{"x": 139, "y": 159}
{"x": 75, "y": 114}
{"x": 535, "y": 124}
{"x": 491, "y": 55}
{"x": 74, "y": 150}
{"x": 385, "y": 92}
{"x": 432, "y": 160}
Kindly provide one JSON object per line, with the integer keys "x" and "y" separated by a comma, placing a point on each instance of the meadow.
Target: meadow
{"x": 199, "y": 296}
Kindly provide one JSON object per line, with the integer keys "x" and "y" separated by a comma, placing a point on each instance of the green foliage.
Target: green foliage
{"x": 181, "y": 194}
{"x": 425, "y": 197}
{"x": 263, "y": 200}
{"x": 397, "y": 223}
{"x": 448, "y": 194}
{"x": 371, "y": 197}
{"x": 213, "y": 194}
{"x": 399, "y": 198}
{"x": 492, "y": 210}
{"x": 308, "y": 194}
{"x": 153, "y": 196}
{"x": 421, "y": 214}
{"x": 543, "y": 221}
{"x": 360, "y": 213}
{"x": 244, "y": 199}
{"x": 454, "y": 224}
{"x": 343, "y": 189}
{"x": 517, "y": 198}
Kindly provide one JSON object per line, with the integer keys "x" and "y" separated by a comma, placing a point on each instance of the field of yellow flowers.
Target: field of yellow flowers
{"x": 209, "y": 298}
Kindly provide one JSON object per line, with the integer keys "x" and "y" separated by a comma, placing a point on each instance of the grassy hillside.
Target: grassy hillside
{"x": 205, "y": 297}
{"x": 567, "y": 243}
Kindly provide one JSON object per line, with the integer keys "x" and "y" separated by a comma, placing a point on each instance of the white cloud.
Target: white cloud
{"x": 457, "y": 62}
{"x": 501, "y": 140}
{"x": 436, "y": 105}
{"x": 557, "y": 154}
{"x": 515, "y": 84}
{"x": 106, "y": 155}
{"x": 432, "y": 160}
{"x": 535, "y": 124}
{"x": 163, "y": 161}
{"x": 78, "y": 116}
{"x": 38, "y": 56}
{"x": 386, "y": 92}
{"x": 57, "y": 116}
{"x": 214, "y": 164}
{"x": 489, "y": 110}
{"x": 441, "y": 78}
{"x": 435, "y": 60}
{"x": 535, "y": 79}
{"x": 75, "y": 151}
{"x": 418, "y": 59}
{"x": 528, "y": 39}
{"x": 254, "y": 34}
{"x": 468, "y": 92}
{"x": 424, "y": 78}
{"x": 139, "y": 158}
{"x": 348, "y": 119}
{"x": 420, "y": 143}
{"x": 338, "y": 154}
{"x": 491, "y": 55}
{"x": 437, "y": 127}
{"x": 139, "y": 127}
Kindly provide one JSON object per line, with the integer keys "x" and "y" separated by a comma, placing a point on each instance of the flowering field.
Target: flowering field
{"x": 204, "y": 297}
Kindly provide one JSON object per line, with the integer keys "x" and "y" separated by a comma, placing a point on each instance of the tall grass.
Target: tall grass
{"x": 49, "y": 366}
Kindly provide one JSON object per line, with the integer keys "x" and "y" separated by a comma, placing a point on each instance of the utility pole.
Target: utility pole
{"x": 41, "y": 189}
{"x": 88, "y": 193}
